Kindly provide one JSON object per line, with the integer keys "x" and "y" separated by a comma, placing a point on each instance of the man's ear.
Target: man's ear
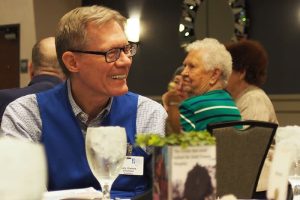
{"x": 30, "y": 70}
{"x": 70, "y": 61}
{"x": 215, "y": 76}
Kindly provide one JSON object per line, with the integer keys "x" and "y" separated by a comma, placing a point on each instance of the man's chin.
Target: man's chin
{"x": 120, "y": 92}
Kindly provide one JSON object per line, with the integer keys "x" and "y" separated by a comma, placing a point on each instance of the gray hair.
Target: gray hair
{"x": 44, "y": 55}
{"x": 71, "y": 32}
{"x": 215, "y": 56}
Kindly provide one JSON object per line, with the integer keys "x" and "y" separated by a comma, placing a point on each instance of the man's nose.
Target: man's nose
{"x": 123, "y": 59}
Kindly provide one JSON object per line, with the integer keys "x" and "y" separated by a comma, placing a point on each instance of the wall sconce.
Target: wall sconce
{"x": 132, "y": 29}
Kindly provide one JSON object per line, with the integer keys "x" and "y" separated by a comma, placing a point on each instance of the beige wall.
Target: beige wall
{"x": 287, "y": 109}
{"x": 37, "y": 19}
{"x": 20, "y": 12}
{"x": 47, "y": 14}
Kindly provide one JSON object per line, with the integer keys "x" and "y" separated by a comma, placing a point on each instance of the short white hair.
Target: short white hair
{"x": 215, "y": 56}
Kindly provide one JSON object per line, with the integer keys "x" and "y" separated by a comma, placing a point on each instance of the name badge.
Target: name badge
{"x": 133, "y": 165}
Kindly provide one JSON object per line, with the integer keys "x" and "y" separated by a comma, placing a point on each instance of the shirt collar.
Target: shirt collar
{"x": 78, "y": 112}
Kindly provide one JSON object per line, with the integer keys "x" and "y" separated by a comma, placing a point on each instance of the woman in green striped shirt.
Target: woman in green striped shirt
{"x": 207, "y": 68}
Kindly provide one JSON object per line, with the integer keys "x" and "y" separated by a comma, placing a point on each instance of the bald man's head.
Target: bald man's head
{"x": 44, "y": 59}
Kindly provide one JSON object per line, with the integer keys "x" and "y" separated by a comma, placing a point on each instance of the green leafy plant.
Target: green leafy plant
{"x": 192, "y": 138}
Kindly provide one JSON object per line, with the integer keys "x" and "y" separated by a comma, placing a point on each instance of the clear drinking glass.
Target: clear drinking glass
{"x": 23, "y": 169}
{"x": 294, "y": 178}
{"x": 106, "y": 151}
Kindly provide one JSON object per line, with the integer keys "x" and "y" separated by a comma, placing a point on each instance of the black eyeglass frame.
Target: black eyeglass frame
{"x": 132, "y": 44}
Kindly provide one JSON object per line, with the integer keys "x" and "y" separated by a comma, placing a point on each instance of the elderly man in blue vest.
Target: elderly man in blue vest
{"x": 96, "y": 57}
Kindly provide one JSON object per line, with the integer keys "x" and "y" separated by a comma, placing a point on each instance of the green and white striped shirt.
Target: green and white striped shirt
{"x": 211, "y": 107}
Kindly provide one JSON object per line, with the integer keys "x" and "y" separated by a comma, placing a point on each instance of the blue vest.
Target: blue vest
{"x": 65, "y": 146}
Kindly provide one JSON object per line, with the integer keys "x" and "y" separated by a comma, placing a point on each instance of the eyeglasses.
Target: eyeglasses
{"x": 113, "y": 54}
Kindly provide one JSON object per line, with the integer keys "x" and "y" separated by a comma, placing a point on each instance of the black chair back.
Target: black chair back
{"x": 240, "y": 155}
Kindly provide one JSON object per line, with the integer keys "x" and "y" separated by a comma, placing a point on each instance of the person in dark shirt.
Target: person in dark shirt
{"x": 44, "y": 70}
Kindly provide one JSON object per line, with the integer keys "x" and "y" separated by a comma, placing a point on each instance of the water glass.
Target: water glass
{"x": 294, "y": 178}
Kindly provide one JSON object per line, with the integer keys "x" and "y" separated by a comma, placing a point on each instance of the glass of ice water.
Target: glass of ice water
{"x": 106, "y": 151}
{"x": 294, "y": 178}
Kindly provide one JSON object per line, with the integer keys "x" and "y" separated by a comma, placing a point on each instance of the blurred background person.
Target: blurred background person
{"x": 249, "y": 74}
{"x": 177, "y": 92}
{"x": 44, "y": 70}
{"x": 207, "y": 68}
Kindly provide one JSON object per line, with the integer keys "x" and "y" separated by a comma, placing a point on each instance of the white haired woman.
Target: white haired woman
{"x": 207, "y": 68}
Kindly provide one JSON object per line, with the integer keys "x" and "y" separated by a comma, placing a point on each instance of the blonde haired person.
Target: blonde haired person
{"x": 96, "y": 56}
